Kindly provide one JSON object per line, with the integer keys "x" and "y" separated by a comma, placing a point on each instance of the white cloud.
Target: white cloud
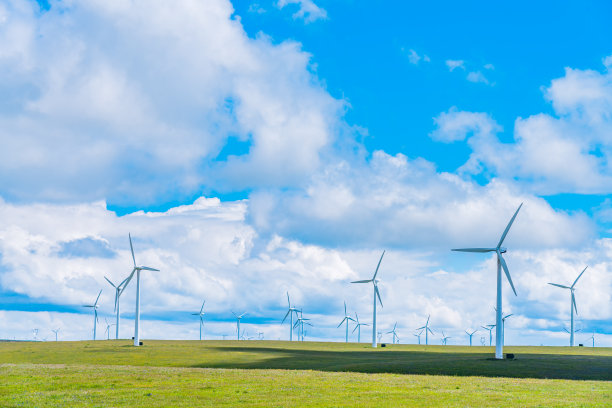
{"x": 489, "y": 67}
{"x": 307, "y": 10}
{"x": 456, "y": 125}
{"x": 477, "y": 77}
{"x": 90, "y": 110}
{"x": 607, "y": 61}
{"x": 414, "y": 58}
{"x": 256, "y": 8}
{"x": 454, "y": 64}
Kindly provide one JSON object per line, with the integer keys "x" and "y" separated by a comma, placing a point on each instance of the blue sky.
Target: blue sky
{"x": 260, "y": 147}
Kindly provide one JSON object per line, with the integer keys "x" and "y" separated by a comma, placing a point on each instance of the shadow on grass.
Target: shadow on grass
{"x": 551, "y": 366}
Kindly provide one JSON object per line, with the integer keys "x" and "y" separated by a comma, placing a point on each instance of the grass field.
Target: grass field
{"x": 274, "y": 374}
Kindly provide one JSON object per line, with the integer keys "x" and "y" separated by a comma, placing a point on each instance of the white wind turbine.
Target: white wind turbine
{"x": 238, "y": 317}
{"x": 394, "y": 333}
{"x": 426, "y": 329}
{"x": 290, "y": 314}
{"x": 590, "y": 338}
{"x": 418, "y": 336}
{"x": 358, "y": 327}
{"x": 376, "y": 293}
{"x": 503, "y": 330}
{"x": 572, "y": 303}
{"x": 346, "y": 319}
{"x": 444, "y": 338}
{"x": 501, "y": 264}
{"x": 107, "y": 331}
{"x": 118, "y": 291}
{"x": 57, "y": 331}
{"x": 95, "y": 309}
{"x": 137, "y": 270}
{"x": 489, "y": 328}
{"x": 470, "y": 334}
{"x": 201, "y": 314}
{"x": 299, "y": 323}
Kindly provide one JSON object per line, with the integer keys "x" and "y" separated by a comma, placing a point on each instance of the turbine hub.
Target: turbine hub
{"x": 502, "y": 250}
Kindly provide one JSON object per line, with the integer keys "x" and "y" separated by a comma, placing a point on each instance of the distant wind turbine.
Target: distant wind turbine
{"x": 201, "y": 315}
{"x": 590, "y": 338}
{"x": 501, "y": 264}
{"x": 118, "y": 291}
{"x": 418, "y": 336}
{"x": 57, "y": 331}
{"x": 290, "y": 313}
{"x": 426, "y": 329}
{"x": 489, "y": 328}
{"x": 444, "y": 338}
{"x": 95, "y": 309}
{"x": 238, "y": 317}
{"x": 299, "y": 323}
{"x": 471, "y": 334}
{"x": 358, "y": 327}
{"x": 504, "y": 327}
{"x": 137, "y": 270}
{"x": 572, "y": 303}
{"x": 108, "y": 326}
{"x": 394, "y": 333}
{"x": 346, "y": 319}
{"x": 376, "y": 293}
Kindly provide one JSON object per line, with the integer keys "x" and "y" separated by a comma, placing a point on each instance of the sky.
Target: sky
{"x": 258, "y": 148}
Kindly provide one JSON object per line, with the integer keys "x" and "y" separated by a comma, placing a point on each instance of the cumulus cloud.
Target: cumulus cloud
{"x": 456, "y": 125}
{"x": 477, "y": 77}
{"x": 307, "y": 10}
{"x": 90, "y": 109}
{"x": 454, "y": 64}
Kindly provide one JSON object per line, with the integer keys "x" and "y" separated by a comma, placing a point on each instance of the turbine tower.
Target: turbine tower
{"x": 590, "y": 338}
{"x": 426, "y": 329}
{"x": 394, "y": 333}
{"x": 471, "y": 334}
{"x": 489, "y": 328}
{"x": 118, "y": 291}
{"x": 57, "y": 330}
{"x": 358, "y": 327}
{"x": 238, "y": 323}
{"x": 346, "y": 319}
{"x": 572, "y": 304}
{"x": 501, "y": 263}
{"x": 290, "y": 314}
{"x": 95, "y": 309}
{"x": 137, "y": 270}
{"x": 201, "y": 314}
{"x": 376, "y": 293}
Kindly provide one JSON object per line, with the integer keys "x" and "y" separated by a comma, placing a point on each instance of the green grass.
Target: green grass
{"x": 272, "y": 374}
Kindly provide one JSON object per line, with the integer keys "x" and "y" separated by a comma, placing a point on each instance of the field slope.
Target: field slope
{"x": 268, "y": 373}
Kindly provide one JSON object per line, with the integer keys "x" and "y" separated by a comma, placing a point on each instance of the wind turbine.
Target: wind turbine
{"x": 107, "y": 331}
{"x": 572, "y": 303}
{"x": 418, "y": 335}
{"x": 35, "y": 331}
{"x": 503, "y": 330}
{"x": 444, "y": 338}
{"x": 501, "y": 263}
{"x": 471, "y": 334}
{"x": 394, "y": 333}
{"x": 57, "y": 330}
{"x": 238, "y": 322}
{"x": 137, "y": 270}
{"x": 358, "y": 328}
{"x": 379, "y": 334}
{"x": 590, "y": 338}
{"x": 426, "y": 329}
{"x": 95, "y": 309}
{"x": 118, "y": 291}
{"x": 201, "y": 314}
{"x": 299, "y": 323}
{"x": 346, "y": 319}
{"x": 489, "y": 327}
{"x": 260, "y": 335}
{"x": 376, "y": 293}
{"x": 290, "y": 314}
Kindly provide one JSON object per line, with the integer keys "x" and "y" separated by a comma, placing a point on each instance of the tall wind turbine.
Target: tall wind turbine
{"x": 376, "y": 293}
{"x": 471, "y": 334}
{"x": 444, "y": 338}
{"x": 95, "y": 309}
{"x": 489, "y": 328}
{"x": 358, "y": 327}
{"x": 394, "y": 333}
{"x": 572, "y": 303}
{"x": 346, "y": 319}
{"x": 426, "y": 329}
{"x": 201, "y": 314}
{"x": 57, "y": 331}
{"x": 118, "y": 291}
{"x": 501, "y": 263}
{"x": 290, "y": 314}
{"x": 238, "y": 317}
{"x": 137, "y": 270}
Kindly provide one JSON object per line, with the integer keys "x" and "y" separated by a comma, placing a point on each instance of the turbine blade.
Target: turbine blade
{"x": 474, "y": 249}
{"x": 345, "y": 308}
{"x": 505, "y": 267}
{"x": 146, "y": 268}
{"x": 132, "y": 249}
{"x": 112, "y": 284}
{"x": 362, "y": 281}
{"x": 202, "y": 308}
{"x": 378, "y": 294}
{"x": 127, "y": 281}
{"x": 96, "y": 302}
{"x": 288, "y": 301}
{"x": 574, "y": 303}
{"x": 378, "y": 266}
{"x": 559, "y": 286}
{"x": 341, "y": 322}
{"x": 507, "y": 316}
{"x": 576, "y": 281}
{"x": 501, "y": 241}
{"x": 419, "y": 328}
